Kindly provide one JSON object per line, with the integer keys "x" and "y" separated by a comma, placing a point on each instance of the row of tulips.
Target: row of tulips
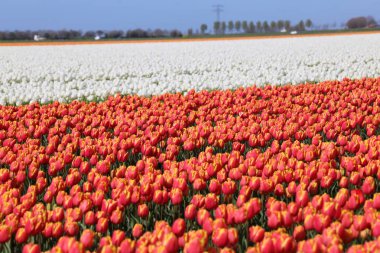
{"x": 274, "y": 169}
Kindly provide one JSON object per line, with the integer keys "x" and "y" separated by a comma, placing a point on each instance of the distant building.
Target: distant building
{"x": 38, "y": 37}
{"x": 283, "y": 30}
{"x": 99, "y": 36}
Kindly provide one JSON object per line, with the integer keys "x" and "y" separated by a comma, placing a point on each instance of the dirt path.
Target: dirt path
{"x": 100, "y": 42}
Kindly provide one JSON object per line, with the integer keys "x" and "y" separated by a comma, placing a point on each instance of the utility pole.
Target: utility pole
{"x": 218, "y": 8}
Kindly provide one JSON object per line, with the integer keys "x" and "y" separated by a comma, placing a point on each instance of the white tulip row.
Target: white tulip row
{"x": 65, "y": 73}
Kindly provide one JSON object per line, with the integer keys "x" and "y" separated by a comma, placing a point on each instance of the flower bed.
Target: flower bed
{"x": 274, "y": 169}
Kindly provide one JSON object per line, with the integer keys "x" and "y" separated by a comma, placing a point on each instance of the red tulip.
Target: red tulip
{"x": 267, "y": 246}
{"x": 137, "y": 230}
{"x": 368, "y": 186}
{"x": 176, "y": 196}
{"x": 90, "y": 218}
{"x": 102, "y": 225}
{"x": 211, "y": 201}
{"x": 116, "y": 217}
{"x": 142, "y": 211}
{"x": 256, "y": 234}
{"x": 21, "y": 236}
{"x": 233, "y": 236}
{"x": 179, "y": 227}
{"x": 299, "y": 233}
{"x": 31, "y": 248}
{"x": 190, "y": 212}
{"x": 302, "y": 198}
{"x": 5, "y": 233}
{"x": 118, "y": 237}
{"x": 87, "y": 238}
{"x": 220, "y": 237}
{"x": 376, "y": 200}
{"x": 194, "y": 246}
{"x": 127, "y": 246}
{"x": 228, "y": 187}
{"x": 57, "y": 230}
{"x": 71, "y": 228}
{"x": 376, "y": 229}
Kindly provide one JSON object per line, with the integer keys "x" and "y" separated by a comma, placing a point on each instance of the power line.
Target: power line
{"x": 218, "y": 8}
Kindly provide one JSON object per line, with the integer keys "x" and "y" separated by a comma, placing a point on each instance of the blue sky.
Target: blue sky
{"x": 169, "y": 14}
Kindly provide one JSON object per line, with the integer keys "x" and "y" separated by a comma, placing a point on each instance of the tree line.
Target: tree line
{"x": 224, "y": 27}
{"x": 77, "y": 35}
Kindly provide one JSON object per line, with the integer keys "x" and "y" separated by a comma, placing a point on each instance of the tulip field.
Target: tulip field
{"x": 258, "y": 169}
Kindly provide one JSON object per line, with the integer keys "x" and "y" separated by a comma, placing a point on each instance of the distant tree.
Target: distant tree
{"x": 138, "y": 33}
{"x": 287, "y": 25}
{"x": 251, "y": 28}
{"x": 308, "y": 23}
{"x": 203, "y": 28}
{"x": 244, "y": 26}
{"x": 175, "y": 34}
{"x": 216, "y": 27}
{"x": 273, "y": 26}
{"x": 100, "y": 32}
{"x": 190, "y": 32}
{"x": 259, "y": 26}
{"x": 223, "y": 27}
{"x": 266, "y": 26}
{"x": 89, "y": 34}
{"x": 230, "y": 26}
{"x": 358, "y": 22}
{"x": 371, "y": 22}
{"x": 158, "y": 33}
{"x": 301, "y": 26}
{"x": 237, "y": 26}
{"x": 115, "y": 34}
{"x": 280, "y": 25}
